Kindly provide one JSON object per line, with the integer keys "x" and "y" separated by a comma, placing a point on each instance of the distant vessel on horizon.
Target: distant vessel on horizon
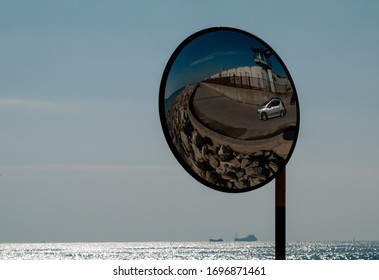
{"x": 216, "y": 240}
{"x": 249, "y": 238}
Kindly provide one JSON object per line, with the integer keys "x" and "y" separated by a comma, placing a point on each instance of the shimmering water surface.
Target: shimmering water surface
{"x": 332, "y": 250}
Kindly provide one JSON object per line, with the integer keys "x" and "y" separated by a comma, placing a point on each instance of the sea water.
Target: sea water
{"x": 331, "y": 250}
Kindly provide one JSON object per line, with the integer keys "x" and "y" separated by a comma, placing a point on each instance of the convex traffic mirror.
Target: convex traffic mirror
{"x": 229, "y": 109}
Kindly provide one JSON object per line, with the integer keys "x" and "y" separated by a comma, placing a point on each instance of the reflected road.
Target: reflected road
{"x": 235, "y": 119}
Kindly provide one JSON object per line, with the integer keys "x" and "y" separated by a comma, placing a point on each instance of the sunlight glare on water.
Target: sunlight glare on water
{"x": 332, "y": 250}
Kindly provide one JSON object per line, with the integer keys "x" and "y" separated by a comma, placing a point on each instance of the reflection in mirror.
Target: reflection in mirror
{"x": 229, "y": 109}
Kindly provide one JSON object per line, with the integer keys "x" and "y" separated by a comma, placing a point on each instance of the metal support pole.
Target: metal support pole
{"x": 280, "y": 215}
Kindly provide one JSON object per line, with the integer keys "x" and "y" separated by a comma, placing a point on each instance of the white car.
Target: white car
{"x": 272, "y": 108}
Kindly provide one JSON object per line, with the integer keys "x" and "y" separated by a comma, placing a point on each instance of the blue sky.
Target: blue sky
{"x": 82, "y": 154}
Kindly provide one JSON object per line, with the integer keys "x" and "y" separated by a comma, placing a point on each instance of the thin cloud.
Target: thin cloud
{"x": 26, "y": 103}
{"x": 88, "y": 167}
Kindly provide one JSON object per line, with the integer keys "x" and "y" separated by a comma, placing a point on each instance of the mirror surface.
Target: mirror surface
{"x": 229, "y": 109}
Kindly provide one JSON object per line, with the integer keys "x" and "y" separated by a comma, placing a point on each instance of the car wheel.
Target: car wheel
{"x": 264, "y": 116}
{"x": 282, "y": 113}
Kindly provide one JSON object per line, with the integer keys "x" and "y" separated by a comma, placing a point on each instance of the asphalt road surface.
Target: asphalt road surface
{"x": 235, "y": 119}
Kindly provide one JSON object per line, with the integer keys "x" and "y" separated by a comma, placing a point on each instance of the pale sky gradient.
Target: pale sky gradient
{"x": 82, "y": 154}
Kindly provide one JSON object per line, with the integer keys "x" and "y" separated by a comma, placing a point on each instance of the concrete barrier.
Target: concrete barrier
{"x": 250, "y": 96}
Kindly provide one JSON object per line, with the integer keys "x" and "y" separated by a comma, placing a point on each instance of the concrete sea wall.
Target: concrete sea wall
{"x": 249, "y": 96}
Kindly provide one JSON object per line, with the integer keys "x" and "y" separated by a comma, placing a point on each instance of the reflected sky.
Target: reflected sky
{"x": 211, "y": 53}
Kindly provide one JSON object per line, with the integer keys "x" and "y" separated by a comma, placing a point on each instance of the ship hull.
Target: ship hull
{"x": 249, "y": 238}
{"x": 216, "y": 240}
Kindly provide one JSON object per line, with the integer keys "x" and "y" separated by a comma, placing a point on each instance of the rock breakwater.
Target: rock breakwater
{"x": 211, "y": 159}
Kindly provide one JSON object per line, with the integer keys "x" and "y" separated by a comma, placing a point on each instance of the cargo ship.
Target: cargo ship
{"x": 249, "y": 238}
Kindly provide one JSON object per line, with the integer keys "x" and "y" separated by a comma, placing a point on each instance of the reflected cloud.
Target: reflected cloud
{"x": 214, "y": 56}
{"x": 202, "y": 60}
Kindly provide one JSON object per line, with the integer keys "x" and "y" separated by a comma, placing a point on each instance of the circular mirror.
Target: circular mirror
{"x": 229, "y": 109}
